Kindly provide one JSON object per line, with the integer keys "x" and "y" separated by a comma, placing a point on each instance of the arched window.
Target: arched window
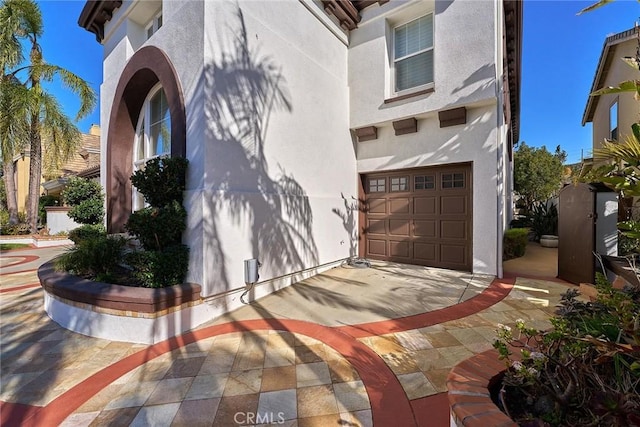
{"x": 153, "y": 135}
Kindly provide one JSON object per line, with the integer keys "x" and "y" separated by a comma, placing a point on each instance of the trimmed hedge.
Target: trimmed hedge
{"x": 157, "y": 269}
{"x": 515, "y": 243}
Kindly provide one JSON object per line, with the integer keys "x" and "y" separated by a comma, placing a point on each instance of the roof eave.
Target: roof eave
{"x": 615, "y": 39}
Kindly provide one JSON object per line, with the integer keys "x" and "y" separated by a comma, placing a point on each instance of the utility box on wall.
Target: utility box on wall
{"x": 587, "y": 222}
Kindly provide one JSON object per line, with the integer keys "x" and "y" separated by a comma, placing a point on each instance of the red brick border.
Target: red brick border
{"x": 469, "y": 396}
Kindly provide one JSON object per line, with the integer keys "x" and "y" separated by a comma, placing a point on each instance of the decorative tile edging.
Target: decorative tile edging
{"x": 469, "y": 383}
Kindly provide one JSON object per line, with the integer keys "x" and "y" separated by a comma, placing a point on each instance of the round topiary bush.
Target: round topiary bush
{"x": 85, "y": 198}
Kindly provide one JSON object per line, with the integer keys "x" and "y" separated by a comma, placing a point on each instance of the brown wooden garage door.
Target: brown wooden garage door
{"x": 419, "y": 216}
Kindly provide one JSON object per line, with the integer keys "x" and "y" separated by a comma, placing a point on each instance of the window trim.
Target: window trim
{"x": 145, "y": 118}
{"x": 421, "y": 88}
{"x": 407, "y": 184}
{"x": 617, "y": 128}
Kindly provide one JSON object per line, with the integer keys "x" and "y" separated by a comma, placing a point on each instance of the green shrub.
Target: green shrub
{"x": 157, "y": 269}
{"x": 515, "y": 243}
{"x": 84, "y": 196}
{"x": 158, "y": 228}
{"x": 544, "y": 220}
{"x": 162, "y": 180}
{"x": 47, "y": 200}
{"x": 584, "y": 371}
{"x": 20, "y": 228}
{"x": 85, "y": 232}
{"x": 97, "y": 257}
{"x": 4, "y": 217}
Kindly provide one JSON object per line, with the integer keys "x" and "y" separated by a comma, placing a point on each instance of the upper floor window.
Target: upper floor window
{"x": 613, "y": 121}
{"x": 153, "y": 135}
{"x": 154, "y": 25}
{"x": 413, "y": 53}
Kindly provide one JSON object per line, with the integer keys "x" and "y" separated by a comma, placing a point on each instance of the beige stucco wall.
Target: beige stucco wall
{"x": 628, "y": 107}
{"x": 22, "y": 182}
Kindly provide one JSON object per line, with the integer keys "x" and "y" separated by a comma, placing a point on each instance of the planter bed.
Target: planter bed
{"x": 117, "y": 297}
{"x": 469, "y": 388}
{"x": 121, "y": 313}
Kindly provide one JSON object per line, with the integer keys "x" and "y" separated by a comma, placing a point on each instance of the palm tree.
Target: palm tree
{"x": 13, "y": 131}
{"x": 39, "y": 109}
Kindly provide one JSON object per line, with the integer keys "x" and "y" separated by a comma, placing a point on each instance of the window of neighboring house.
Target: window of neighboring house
{"x": 154, "y": 25}
{"x": 613, "y": 121}
{"x": 413, "y": 54}
{"x": 153, "y": 135}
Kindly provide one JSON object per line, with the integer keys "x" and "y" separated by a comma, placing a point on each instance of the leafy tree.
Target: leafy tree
{"x": 537, "y": 173}
{"x": 31, "y": 102}
{"x": 85, "y": 198}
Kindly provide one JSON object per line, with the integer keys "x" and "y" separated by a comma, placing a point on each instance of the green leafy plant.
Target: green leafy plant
{"x": 585, "y": 370}
{"x": 96, "y": 257}
{"x": 86, "y": 200}
{"x": 158, "y": 227}
{"x": 162, "y": 180}
{"x": 515, "y": 243}
{"x": 156, "y": 269}
{"x": 537, "y": 173}
{"x": 48, "y": 200}
{"x": 164, "y": 260}
{"x": 86, "y": 231}
{"x": 544, "y": 220}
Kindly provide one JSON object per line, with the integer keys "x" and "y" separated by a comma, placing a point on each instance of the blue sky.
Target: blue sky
{"x": 560, "y": 53}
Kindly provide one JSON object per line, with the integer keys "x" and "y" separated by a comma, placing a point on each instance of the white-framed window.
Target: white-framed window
{"x": 153, "y": 135}
{"x": 153, "y": 25}
{"x": 613, "y": 121}
{"x": 413, "y": 54}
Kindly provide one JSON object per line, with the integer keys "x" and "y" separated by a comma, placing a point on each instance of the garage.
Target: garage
{"x": 419, "y": 216}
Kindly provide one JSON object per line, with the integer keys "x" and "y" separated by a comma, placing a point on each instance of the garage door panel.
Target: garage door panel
{"x": 376, "y": 226}
{"x": 428, "y": 221}
{"x": 425, "y": 228}
{"x": 377, "y": 205}
{"x": 453, "y": 254}
{"x": 399, "y": 206}
{"x": 425, "y": 252}
{"x": 425, "y": 205}
{"x": 452, "y": 205}
{"x": 377, "y": 247}
{"x": 399, "y": 227}
{"x": 399, "y": 249}
{"x": 453, "y": 229}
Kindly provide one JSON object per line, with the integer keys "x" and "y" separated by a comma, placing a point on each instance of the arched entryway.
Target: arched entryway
{"x": 147, "y": 68}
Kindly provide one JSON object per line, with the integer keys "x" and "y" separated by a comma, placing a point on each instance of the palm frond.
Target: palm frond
{"x": 71, "y": 81}
{"x": 60, "y": 136}
{"x": 594, "y": 6}
{"x": 627, "y": 151}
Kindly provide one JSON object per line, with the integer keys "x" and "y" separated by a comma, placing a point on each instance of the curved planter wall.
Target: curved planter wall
{"x": 468, "y": 386}
{"x": 120, "y": 313}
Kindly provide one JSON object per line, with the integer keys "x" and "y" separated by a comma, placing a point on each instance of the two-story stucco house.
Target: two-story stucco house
{"x": 613, "y": 114}
{"x": 293, "y": 114}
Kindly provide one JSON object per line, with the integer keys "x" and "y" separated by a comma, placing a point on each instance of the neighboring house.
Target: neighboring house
{"x": 85, "y": 162}
{"x": 293, "y": 113}
{"x": 613, "y": 114}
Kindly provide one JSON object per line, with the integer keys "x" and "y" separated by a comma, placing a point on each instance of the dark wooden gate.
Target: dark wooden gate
{"x": 576, "y": 233}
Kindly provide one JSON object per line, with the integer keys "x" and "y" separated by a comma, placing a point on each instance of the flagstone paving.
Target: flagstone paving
{"x": 283, "y": 359}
